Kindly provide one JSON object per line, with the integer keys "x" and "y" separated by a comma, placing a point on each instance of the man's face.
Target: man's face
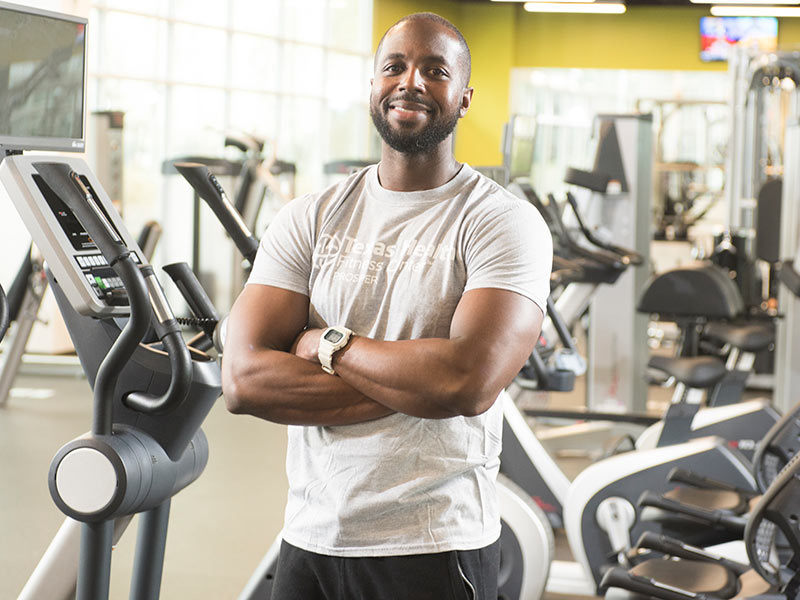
{"x": 419, "y": 90}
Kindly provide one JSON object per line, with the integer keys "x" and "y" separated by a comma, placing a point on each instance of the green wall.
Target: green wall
{"x": 503, "y": 36}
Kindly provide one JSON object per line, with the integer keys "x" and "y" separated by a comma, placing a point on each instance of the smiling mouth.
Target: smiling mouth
{"x": 407, "y": 107}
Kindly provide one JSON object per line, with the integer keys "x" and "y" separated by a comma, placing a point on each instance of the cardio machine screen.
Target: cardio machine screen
{"x": 72, "y": 228}
{"x": 41, "y": 75}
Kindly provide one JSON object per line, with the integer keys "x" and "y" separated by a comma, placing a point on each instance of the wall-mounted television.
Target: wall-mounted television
{"x": 718, "y": 35}
{"x": 42, "y": 76}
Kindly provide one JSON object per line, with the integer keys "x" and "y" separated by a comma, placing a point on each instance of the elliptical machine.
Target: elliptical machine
{"x": 151, "y": 392}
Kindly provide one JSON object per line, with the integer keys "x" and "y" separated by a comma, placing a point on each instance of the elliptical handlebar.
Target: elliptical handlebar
{"x": 713, "y": 517}
{"x": 145, "y": 299}
{"x": 666, "y": 545}
{"x": 617, "y": 577}
{"x": 192, "y": 290}
{"x": 169, "y": 333}
{"x": 601, "y": 255}
{"x": 206, "y": 186}
{"x": 245, "y": 142}
{"x": 626, "y": 254}
{"x": 195, "y": 295}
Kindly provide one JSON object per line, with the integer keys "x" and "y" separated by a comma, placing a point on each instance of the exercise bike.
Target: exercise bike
{"x": 598, "y": 509}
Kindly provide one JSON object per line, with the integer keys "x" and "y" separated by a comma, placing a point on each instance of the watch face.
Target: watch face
{"x": 333, "y": 336}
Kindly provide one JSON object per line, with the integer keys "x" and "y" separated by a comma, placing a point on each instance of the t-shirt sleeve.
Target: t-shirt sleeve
{"x": 511, "y": 249}
{"x": 284, "y": 255}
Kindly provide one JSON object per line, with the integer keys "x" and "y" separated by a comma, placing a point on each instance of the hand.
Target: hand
{"x": 306, "y": 345}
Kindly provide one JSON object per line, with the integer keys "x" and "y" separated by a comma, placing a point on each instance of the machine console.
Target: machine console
{"x": 89, "y": 283}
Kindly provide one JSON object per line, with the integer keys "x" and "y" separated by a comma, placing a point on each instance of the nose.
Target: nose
{"x": 412, "y": 81}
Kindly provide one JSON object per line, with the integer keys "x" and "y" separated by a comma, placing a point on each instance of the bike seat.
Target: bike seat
{"x": 749, "y": 338}
{"x": 693, "y": 371}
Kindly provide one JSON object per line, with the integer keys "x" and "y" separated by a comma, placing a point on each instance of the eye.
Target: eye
{"x": 393, "y": 68}
{"x": 438, "y": 72}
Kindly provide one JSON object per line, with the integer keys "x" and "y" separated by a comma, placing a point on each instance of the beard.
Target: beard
{"x": 413, "y": 142}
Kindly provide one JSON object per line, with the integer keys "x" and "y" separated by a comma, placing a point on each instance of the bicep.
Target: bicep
{"x": 265, "y": 317}
{"x": 496, "y": 330}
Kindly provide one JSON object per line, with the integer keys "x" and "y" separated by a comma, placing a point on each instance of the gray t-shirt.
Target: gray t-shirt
{"x": 393, "y": 266}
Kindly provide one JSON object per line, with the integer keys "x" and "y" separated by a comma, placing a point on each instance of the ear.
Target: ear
{"x": 466, "y": 100}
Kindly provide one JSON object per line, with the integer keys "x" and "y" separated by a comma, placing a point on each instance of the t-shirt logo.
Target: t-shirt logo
{"x": 356, "y": 260}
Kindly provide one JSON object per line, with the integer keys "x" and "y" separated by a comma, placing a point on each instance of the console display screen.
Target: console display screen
{"x": 72, "y": 228}
{"x": 41, "y": 75}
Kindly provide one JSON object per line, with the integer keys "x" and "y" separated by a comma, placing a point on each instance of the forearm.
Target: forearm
{"x": 491, "y": 336}
{"x": 430, "y": 378}
{"x": 283, "y": 388}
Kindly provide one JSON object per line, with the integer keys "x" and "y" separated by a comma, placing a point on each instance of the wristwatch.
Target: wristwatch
{"x": 333, "y": 339}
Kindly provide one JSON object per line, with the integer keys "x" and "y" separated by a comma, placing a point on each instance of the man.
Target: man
{"x": 382, "y": 319}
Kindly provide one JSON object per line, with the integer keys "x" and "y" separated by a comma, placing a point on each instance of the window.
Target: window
{"x": 187, "y": 72}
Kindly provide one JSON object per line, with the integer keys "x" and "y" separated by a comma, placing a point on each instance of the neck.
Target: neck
{"x": 401, "y": 172}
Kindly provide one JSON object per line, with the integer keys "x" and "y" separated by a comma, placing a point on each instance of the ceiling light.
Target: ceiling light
{"x": 755, "y": 11}
{"x": 561, "y": 1}
{"x": 613, "y": 8}
{"x": 746, "y": 1}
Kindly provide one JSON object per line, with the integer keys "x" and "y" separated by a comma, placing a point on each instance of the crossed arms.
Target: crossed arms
{"x": 271, "y": 371}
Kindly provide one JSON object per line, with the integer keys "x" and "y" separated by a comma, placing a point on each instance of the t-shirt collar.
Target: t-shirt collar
{"x": 418, "y": 197}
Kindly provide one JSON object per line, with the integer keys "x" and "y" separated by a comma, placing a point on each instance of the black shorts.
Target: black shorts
{"x": 455, "y": 575}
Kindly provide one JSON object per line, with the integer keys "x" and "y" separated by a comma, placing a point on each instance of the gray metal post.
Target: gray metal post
{"x": 787, "y": 347}
{"x": 737, "y": 70}
{"x": 618, "y": 333}
{"x": 55, "y": 577}
{"x": 94, "y": 563}
{"x": 150, "y": 546}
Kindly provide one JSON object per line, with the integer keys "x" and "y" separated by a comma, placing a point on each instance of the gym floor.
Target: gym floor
{"x": 220, "y": 526}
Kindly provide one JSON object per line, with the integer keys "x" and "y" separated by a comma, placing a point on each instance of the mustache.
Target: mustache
{"x": 409, "y": 98}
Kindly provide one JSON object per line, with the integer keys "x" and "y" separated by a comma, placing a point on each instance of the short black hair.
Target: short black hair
{"x": 466, "y": 57}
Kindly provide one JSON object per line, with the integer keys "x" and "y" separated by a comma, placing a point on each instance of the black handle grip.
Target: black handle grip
{"x": 599, "y": 255}
{"x": 209, "y": 189}
{"x": 4, "y": 313}
{"x": 653, "y": 541}
{"x": 181, "y": 380}
{"x": 194, "y": 294}
{"x": 678, "y": 475}
{"x": 712, "y": 517}
{"x": 591, "y": 180}
{"x": 561, "y": 327}
{"x": 630, "y": 256}
{"x": 673, "y": 547}
{"x": 169, "y": 332}
{"x": 617, "y": 577}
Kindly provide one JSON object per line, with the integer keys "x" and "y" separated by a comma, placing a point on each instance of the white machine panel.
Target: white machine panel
{"x": 89, "y": 283}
